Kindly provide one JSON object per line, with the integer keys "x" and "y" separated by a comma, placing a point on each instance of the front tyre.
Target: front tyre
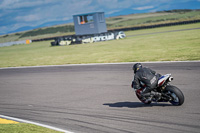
{"x": 176, "y": 95}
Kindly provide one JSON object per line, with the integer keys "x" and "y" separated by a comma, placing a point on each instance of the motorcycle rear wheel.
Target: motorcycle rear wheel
{"x": 176, "y": 94}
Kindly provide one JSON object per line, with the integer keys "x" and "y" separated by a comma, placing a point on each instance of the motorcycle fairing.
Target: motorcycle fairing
{"x": 162, "y": 79}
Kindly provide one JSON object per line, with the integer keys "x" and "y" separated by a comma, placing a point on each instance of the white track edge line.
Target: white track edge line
{"x": 34, "y": 123}
{"x": 89, "y": 64}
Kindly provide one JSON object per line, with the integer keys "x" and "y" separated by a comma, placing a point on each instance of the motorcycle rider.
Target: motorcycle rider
{"x": 146, "y": 76}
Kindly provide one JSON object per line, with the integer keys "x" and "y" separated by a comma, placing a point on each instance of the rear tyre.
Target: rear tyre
{"x": 176, "y": 95}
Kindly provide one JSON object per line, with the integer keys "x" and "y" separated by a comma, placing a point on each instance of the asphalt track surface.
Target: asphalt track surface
{"x": 99, "y": 99}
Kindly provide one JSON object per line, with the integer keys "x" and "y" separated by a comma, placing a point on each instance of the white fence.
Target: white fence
{"x": 15, "y": 43}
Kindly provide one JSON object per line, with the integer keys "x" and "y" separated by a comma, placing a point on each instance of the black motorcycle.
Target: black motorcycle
{"x": 164, "y": 92}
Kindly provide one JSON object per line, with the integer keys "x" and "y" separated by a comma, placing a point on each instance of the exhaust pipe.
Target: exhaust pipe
{"x": 170, "y": 79}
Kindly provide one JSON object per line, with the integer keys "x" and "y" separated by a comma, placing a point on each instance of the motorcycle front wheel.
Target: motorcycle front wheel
{"x": 176, "y": 95}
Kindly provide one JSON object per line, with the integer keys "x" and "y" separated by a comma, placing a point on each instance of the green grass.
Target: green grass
{"x": 24, "y": 128}
{"x": 173, "y": 46}
{"x": 163, "y": 29}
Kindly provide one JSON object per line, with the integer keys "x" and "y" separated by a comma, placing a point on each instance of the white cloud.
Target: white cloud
{"x": 143, "y": 8}
{"x": 115, "y": 4}
{"x": 113, "y": 11}
{"x": 28, "y": 18}
{"x": 15, "y": 4}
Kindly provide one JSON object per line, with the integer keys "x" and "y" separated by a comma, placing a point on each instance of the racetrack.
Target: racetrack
{"x": 98, "y": 98}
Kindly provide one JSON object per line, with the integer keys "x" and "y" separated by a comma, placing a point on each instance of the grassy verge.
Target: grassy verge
{"x": 24, "y": 128}
{"x": 163, "y": 29}
{"x": 173, "y": 46}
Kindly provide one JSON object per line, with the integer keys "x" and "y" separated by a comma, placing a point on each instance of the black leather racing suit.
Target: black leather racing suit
{"x": 148, "y": 77}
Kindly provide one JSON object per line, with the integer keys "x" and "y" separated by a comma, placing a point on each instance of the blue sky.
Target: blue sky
{"x": 21, "y": 15}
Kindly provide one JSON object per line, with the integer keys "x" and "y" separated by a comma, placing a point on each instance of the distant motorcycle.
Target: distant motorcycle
{"x": 164, "y": 92}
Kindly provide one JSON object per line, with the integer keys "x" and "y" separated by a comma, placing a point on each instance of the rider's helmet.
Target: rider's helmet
{"x": 136, "y": 67}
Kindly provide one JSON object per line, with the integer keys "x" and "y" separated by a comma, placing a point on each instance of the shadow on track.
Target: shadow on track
{"x": 135, "y": 104}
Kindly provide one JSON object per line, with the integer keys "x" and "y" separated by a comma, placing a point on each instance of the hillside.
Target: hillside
{"x": 132, "y": 20}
